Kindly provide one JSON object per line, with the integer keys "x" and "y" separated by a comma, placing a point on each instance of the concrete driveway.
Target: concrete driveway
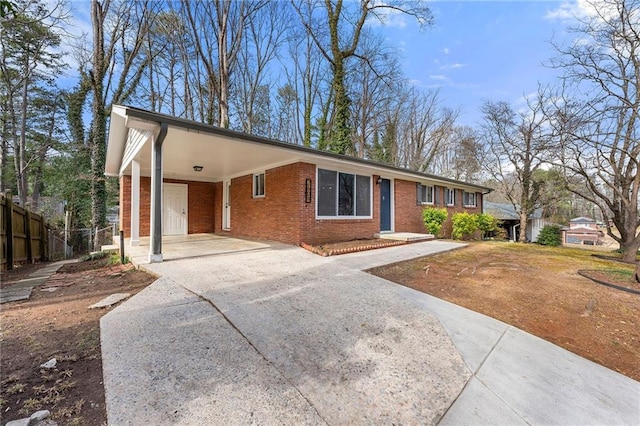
{"x": 277, "y": 335}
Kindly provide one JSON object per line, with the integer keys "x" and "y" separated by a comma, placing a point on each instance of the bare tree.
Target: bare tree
{"x": 115, "y": 70}
{"x": 423, "y": 129}
{"x": 371, "y": 85}
{"x": 218, "y": 28}
{"x": 265, "y": 33}
{"x": 596, "y": 114}
{"x": 344, "y": 24}
{"x": 459, "y": 156}
{"x": 516, "y": 145}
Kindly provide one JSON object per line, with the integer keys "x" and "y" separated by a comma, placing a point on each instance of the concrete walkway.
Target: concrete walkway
{"x": 23, "y": 288}
{"x": 282, "y": 336}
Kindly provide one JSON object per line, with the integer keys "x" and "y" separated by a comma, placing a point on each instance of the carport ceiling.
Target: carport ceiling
{"x": 221, "y": 157}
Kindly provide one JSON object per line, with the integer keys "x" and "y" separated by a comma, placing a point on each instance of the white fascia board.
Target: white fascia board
{"x": 136, "y": 139}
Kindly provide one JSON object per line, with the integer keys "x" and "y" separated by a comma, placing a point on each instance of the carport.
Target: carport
{"x": 176, "y": 247}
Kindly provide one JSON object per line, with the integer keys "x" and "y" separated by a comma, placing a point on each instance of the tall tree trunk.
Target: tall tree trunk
{"x": 98, "y": 124}
{"x": 21, "y": 166}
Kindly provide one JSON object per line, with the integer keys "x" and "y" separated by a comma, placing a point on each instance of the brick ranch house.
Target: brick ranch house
{"x": 182, "y": 177}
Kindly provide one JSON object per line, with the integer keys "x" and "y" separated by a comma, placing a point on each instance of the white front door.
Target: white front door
{"x": 175, "y": 209}
{"x": 226, "y": 208}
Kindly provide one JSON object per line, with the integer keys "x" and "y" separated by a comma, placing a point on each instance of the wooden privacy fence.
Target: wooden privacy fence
{"x": 24, "y": 235}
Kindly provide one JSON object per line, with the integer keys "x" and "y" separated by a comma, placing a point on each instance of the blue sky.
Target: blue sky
{"x": 480, "y": 50}
{"x": 475, "y": 51}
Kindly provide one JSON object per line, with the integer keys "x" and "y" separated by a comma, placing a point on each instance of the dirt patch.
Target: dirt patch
{"x": 344, "y": 247}
{"x": 56, "y": 322}
{"x": 17, "y": 273}
{"x": 536, "y": 289}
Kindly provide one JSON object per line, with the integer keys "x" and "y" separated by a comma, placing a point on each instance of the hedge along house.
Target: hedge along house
{"x": 181, "y": 177}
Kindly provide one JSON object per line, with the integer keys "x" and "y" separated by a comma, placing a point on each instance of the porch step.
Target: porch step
{"x": 405, "y": 236}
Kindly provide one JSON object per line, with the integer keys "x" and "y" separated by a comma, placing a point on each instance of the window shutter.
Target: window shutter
{"x": 418, "y": 194}
{"x": 435, "y": 195}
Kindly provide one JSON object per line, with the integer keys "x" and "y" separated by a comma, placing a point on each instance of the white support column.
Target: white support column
{"x": 135, "y": 203}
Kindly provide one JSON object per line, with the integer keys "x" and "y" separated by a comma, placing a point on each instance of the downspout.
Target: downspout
{"x": 156, "y": 196}
{"x": 483, "y": 194}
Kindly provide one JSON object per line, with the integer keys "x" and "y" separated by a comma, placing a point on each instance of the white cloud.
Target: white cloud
{"x": 439, "y": 77}
{"x": 446, "y": 51}
{"x": 452, "y": 66}
{"x": 581, "y": 9}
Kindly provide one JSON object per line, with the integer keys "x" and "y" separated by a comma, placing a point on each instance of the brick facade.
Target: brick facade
{"x": 283, "y": 213}
{"x": 409, "y": 212}
{"x": 201, "y": 205}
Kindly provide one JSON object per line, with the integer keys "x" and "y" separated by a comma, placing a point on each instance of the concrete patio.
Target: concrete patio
{"x": 271, "y": 334}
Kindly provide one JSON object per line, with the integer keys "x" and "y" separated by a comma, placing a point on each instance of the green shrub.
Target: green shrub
{"x": 464, "y": 224}
{"x": 433, "y": 219}
{"x": 550, "y": 235}
{"x": 486, "y": 223}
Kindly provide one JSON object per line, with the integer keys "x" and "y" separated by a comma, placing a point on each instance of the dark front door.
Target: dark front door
{"x": 385, "y": 205}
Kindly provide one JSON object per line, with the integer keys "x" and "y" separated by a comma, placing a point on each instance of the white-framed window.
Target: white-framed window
{"x": 450, "y": 196}
{"x": 469, "y": 199}
{"x": 258, "y": 185}
{"x": 343, "y": 195}
{"x": 425, "y": 194}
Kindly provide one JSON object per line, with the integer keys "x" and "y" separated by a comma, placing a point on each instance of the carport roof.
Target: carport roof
{"x": 225, "y": 153}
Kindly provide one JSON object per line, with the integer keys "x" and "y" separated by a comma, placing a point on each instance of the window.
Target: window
{"x": 469, "y": 199}
{"x": 258, "y": 185}
{"x": 425, "y": 194}
{"x": 343, "y": 194}
{"x": 449, "y": 196}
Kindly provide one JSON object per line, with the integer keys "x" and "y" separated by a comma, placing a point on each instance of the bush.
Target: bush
{"x": 550, "y": 235}
{"x": 486, "y": 223}
{"x": 464, "y": 224}
{"x": 433, "y": 219}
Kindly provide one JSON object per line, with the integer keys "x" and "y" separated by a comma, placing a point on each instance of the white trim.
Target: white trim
{"x": 254, "y": 187}
{"x": 226, "y": 207}
{"x": 135, "y": 203}
{"x": 446, "y": 200}
{"x": 475, "y": 199}
{"x": 392, "y": 205}
{"x": 261, "y": 169}
{"x": 136, "y": 140}
{"x": 433, "y": 195}
{"x": 344, "y": 171}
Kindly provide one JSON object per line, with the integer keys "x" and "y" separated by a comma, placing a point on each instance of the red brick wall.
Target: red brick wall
{"x": 332, "y": 230}
{"x": 283, "y": 215}
{"x": 276, "y": 216}
{"x": 201, "y": 205}
{"x": 409, "y": 213}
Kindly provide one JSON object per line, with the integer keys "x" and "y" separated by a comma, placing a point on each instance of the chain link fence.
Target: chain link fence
{"x": 75, "y": 242}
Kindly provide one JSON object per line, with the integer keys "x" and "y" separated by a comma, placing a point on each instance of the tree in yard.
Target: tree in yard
{"x": 110, "y": 75}
{"x": 517, "y": 144}
{"x": 424, "y": 130}
{"x": 264, "y": 35}
{"x": 596, "y": 114}
{"x": 218, "y": 29}
{"x": 336, "y": 30}
{"x": 29, "y": 63}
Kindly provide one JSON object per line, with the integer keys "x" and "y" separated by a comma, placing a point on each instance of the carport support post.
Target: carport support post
{"x": 155, "y": 253}
{"x": 135, "y": 203}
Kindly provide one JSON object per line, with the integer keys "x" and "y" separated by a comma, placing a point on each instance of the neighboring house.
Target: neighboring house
{"x": 182, "y": 177}
{"x": 510, "y": 220}
{"x": 583, "y": 230}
